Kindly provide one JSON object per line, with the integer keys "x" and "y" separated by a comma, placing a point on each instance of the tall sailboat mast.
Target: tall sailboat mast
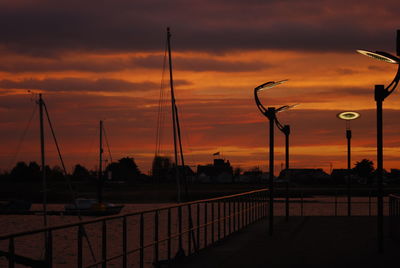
{"x": 44, "y": 183}
{"x": 173, "y": 106}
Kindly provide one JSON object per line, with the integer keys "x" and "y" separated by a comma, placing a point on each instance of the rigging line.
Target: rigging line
{"x": 186, "y": 134}
{"x": 164, "y": 101}
{"x": 72, "y": 192}
{"x": 160, "y": 117}
{"x": 55, "y": 139}
{"x": 23, "y": 136}
{"x": 108, "y": 145}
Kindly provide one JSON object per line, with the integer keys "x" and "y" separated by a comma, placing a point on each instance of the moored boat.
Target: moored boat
{"x": 91, "y": 207}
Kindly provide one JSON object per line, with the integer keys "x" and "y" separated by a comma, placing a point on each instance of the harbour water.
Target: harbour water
{"x": 65, "y": 240}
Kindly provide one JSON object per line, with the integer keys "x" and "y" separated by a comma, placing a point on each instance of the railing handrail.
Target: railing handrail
{"x": 396, "y": 196}
{"x": 106, "y": 218}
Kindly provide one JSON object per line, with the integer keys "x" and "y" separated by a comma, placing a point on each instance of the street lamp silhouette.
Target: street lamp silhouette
{"x": 270, "y": 113}
{"x": 348, "y": 116}
{"x": 382, "y": 92}
{"x": 285, "y": 129}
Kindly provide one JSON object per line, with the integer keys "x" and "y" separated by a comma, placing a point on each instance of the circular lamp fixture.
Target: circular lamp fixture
{"x": 380, "y": 55}
{"x": 348, "y": 115}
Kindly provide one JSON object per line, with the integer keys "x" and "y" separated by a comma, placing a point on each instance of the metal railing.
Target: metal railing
{"x": 330, "y": 204}
{"x": 147, "y": 238}
{"x": 394, "y": 216}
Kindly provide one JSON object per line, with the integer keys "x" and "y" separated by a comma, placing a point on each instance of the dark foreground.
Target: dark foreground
{"x": 314, "y": 241}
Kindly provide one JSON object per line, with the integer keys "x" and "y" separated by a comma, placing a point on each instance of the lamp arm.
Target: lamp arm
{"x": 262, "y": 109}
{"x": 392, "y": 86}
{"x": 279, "y": 125}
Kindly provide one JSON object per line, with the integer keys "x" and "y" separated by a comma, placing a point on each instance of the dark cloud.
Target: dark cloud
{"x": 99, "y": 64}
{"x": 198, "y": 64}
{"x": 48, "y": 28}
{"x": 81, "y": 84}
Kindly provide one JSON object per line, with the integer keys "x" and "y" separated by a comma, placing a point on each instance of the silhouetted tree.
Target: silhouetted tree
{"x": 80, "y": 172}
{"x": 125, "y": 169}
{"x": 35, "y": 172}
{"x": 364, "y": 169}
{"x": 24, "y": 172}
{"x": 56, "y": 173}
{"x": 128, "y": 168}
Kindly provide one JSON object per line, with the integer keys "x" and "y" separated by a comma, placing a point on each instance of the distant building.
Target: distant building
{"x": 220, "y": 171}
{"x": 394, "y": 175}
{"x": 305, "y": 176}
{"x": 253, "y": 177}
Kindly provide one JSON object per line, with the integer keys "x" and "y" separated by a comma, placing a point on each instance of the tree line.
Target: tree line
{"x": 125, "y": 169}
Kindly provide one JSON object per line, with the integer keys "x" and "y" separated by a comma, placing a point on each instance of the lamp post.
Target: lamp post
{"x": 382, "y": 92}
{"x": 348, "y": 116}
{"x": 285, "y": 129}
{"x": 270, "y": 113}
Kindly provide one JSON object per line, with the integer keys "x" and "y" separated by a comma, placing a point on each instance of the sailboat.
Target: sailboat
{"x": 92, "y": 206}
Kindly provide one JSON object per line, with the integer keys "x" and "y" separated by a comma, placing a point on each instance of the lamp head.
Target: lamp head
{"x": 270, "y": 85}
{"x": 348, "y": 115}
{"x": 286, "y": 107}
{"x": 380, "y": 55}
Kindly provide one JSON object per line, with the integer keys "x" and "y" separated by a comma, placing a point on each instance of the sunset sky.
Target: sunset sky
{"x": 95, "y": 60}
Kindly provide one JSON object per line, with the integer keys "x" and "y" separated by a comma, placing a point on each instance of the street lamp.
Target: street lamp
{"x": 270, "y": 113}
{"x": 285, "y": 129}
{"x": 382, "y": 92}
{"x": 348, "y": 116}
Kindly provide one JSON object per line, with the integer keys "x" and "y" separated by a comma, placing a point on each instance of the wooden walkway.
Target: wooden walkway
{"x": 313, "y": 241}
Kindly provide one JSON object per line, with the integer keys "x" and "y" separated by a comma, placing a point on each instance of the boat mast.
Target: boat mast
{"x": 44, "y": 183}
{"x": 100, "y": 179}
{"x": 171, "y": 82}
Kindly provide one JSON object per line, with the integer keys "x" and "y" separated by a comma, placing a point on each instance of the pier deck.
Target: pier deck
{"x": 314, "y": 241}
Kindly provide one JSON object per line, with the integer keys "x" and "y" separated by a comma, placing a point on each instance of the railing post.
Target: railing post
{"x": 213, "y": 223}
{"x": 180, "y": 227}
{"x": 254, "y": 208}
{"x": 169, "y": 234}
{"x": 141, "y": 242}
{"x": 49, "y": 249}
{"x": 243, "y": 205}
{"x": 80, "y": 252}
{"x": 104, "y": 245}
{"x": 11, "y": 251}
{"x": 335, "y": 203}
{"x": 205, "y": 224}
{"x": 230, "y": 216}
{"x": 224, "y": 218}
{"x": 369, "y": 203}
{"x": 301, "y": 204}
{"x": 198, "y": 226}
{"x": 391, "y": 216}
{"x": 189, "y": 230}
{"x": 156, "y": 236}
{"x": 266, "y": 204}
{"x": 234, "y": 214}
{"x": 219, "y": 220}
{"x": 124, "y": 243}
{"x": 248, "y": 210}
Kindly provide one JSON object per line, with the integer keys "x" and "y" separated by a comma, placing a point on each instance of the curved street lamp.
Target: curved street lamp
{"x": 382, "y": 92}
{"x": 270, "y": 113}
{"x": 348, "y": 116}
